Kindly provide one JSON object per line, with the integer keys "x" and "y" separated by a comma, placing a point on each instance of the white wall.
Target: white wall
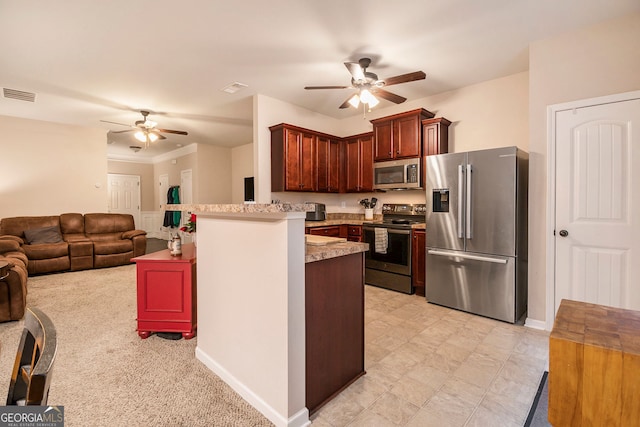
{"x": 241, "y": 168}
{"x": 48, "y": 168}
{"x": 599, "y": 60}
{"x": 212, "y": 177}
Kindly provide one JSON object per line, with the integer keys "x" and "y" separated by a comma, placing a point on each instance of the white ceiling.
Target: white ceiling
{"x": 89, "y": 61}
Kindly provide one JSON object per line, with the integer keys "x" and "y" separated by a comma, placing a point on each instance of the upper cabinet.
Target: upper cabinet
{"x": 359, "y": 163}
{"x": 399, "y": 136}
{"x": 328, "y": 164}
{"x": 435, "y": 136}
{"x": 293, "y": 164}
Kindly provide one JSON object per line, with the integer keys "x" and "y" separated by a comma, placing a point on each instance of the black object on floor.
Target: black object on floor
{"x": 538, "y": 414}
{"x": 169, "y": 335}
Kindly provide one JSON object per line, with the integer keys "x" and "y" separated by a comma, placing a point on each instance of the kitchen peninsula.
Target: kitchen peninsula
{"x": 281, "y": 322}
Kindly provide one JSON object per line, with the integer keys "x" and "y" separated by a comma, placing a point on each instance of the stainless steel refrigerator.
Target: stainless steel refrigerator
{"x": 476, "y": 255}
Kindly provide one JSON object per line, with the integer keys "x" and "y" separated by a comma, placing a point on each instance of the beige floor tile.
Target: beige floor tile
{"x": 496, "y": 353}
{"x": 389, "y": 341}
{"x": 500, "y": 406}
{"x": 442, "y": 410}
{"x": 428, "y": 375}
{"x": 365, "y": 391}
{"x": 413, "y": 391}
{"x": 382, "y": 375}
{"x": 340, "y": 411}
{"x": 368, "y": 418}
{"x": 479, "y": 370}
{"x": 483, "y": 417}
{"x": 374, "y": 353}
{"x": 394, "y": 409}
{"x": 463, "y": 390}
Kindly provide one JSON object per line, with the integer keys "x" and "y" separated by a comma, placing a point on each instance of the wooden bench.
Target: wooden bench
{"x": 594, "y": 366}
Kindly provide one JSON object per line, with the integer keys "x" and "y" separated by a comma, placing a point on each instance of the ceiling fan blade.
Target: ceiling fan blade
{"x": 160, "y": 136}
{"x": 381, "y": 93}
{"x": 177, "y": 132}
{"x": 326, "y": 87}
{"x": 121, "y": 131}
{"x": 404, "y": 78}
{"x": 115, "y": 123}
{"x": 356, "y": 70}
{"x": 346, "y": 104}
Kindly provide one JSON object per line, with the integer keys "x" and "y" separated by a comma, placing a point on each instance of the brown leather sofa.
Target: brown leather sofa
{"x": 13, "y": 281}
{"x": 73, "y": 241}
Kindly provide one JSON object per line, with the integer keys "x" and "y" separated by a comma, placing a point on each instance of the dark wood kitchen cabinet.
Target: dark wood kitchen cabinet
{"x": 418, "y": 254}
{"x": 328, "y": 164}
{"x": 292, "y": 159}
{"x": 435, "y": 136}
{"x": 399, "y": 136}
{"x": 359, "y": 163}
{"x": 328, "y": 231}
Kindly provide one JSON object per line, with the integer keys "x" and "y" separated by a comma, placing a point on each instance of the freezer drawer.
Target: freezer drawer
{"x": 476, "y": 283}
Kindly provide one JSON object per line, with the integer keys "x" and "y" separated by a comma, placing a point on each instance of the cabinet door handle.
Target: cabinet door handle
{"x": 398, "y": 152}
{"x": 389, "y": 152}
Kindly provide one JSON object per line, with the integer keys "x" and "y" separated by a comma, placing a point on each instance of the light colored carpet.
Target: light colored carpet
{"x": 105, "y": 375}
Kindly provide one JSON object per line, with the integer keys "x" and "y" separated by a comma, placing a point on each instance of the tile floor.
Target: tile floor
{"x": 432, "y": 366}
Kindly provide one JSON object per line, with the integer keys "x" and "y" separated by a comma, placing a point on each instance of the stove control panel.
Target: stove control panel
{"x": 404, "y": 209}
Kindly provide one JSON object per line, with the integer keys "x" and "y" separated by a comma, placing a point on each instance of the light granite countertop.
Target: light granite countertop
{"x": 241, "y": 207}
{"x": 333, "y": 250}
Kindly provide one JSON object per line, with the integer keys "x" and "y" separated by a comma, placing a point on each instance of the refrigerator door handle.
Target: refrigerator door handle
{"x": 460, "y": 198}
{"x": 468, "y": 216}
{"x": 467, "y": 256}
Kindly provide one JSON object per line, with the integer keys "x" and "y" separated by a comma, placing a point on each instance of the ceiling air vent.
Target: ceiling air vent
{"x": 19, "y": 95}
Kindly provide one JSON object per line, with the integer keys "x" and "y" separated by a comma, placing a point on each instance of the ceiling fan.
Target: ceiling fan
{"x": 369, "y": 86}
{"x": 146, "y": 130}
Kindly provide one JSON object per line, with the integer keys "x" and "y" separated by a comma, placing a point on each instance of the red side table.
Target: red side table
{"x": 167, "y": 292}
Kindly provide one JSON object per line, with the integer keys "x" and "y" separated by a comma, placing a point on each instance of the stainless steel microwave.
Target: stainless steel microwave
{"x": 397, "y": 174}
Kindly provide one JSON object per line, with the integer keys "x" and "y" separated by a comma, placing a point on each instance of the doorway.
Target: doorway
{"x": 124, "y": 195}
{"x": 593, "y": 239}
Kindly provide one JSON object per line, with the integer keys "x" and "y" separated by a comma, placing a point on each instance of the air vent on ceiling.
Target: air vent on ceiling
{"x": 19, "y": 95}
{"x": 233, "y": 87}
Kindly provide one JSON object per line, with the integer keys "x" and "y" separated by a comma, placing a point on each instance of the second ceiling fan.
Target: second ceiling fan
{"x": 146, "y": 130}
{"x": 369, "y": 86}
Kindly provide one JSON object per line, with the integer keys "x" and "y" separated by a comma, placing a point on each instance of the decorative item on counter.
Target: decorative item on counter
{"x": 175, "y": 245}
{"x": 368, "y": 207}
{"x": 190, "y": 226}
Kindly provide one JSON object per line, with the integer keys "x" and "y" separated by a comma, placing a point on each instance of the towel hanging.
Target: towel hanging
{"x": 381, "y": 242}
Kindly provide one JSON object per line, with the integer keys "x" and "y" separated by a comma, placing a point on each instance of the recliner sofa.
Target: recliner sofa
{"x": 73, "y": 241}
{"x": 13, "y": 281}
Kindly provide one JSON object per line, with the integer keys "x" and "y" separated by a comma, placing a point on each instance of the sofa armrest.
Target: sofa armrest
{"x": 11, "y": 237}
{"x": 130, "y": 234}
{"x": 9, "y": 245}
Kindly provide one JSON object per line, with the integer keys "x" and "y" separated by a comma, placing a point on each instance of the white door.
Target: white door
{"x": 597, "y": 223}
{"x": 163, "y": 189}
{"x": 124, "y": 195}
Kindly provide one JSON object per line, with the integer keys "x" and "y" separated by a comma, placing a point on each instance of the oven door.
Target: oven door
{"x": 397, "y": 258}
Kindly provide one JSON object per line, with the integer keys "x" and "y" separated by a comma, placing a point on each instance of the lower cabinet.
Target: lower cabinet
{"x": 418, "y": 255}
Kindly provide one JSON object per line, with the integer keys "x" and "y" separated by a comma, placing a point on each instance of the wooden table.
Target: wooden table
{"x": 594, "y": 366}
{"x": 167, "y": 292}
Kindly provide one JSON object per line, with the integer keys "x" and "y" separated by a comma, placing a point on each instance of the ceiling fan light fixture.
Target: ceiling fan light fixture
{"x": 367, "y": 98}
{"x": 354, "y": 101}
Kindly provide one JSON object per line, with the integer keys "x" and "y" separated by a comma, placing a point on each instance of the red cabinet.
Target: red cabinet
{"x": 328, "y": 164}
{"x": 167, "y": 292}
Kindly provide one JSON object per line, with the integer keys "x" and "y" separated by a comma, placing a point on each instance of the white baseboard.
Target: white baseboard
{"x": 299, "y": 419}
{"x": 535, "y": 324}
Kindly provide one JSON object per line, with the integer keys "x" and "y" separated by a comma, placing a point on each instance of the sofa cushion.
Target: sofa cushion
{"x": 105, "y": 223}
{"x": 71, "y": 223}
{"x": 46, "y": 250}
{"x": 37, "y": 236}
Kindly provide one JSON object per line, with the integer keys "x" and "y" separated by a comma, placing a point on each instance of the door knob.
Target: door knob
{"x": 563, "y": 233}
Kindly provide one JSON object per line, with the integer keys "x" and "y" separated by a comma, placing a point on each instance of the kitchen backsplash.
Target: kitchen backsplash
{"x": 350, "y": 202}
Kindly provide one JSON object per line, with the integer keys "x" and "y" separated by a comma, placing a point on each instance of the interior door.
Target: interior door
{"x": 124, "y": 195}
{"x": 597, "y": 224}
